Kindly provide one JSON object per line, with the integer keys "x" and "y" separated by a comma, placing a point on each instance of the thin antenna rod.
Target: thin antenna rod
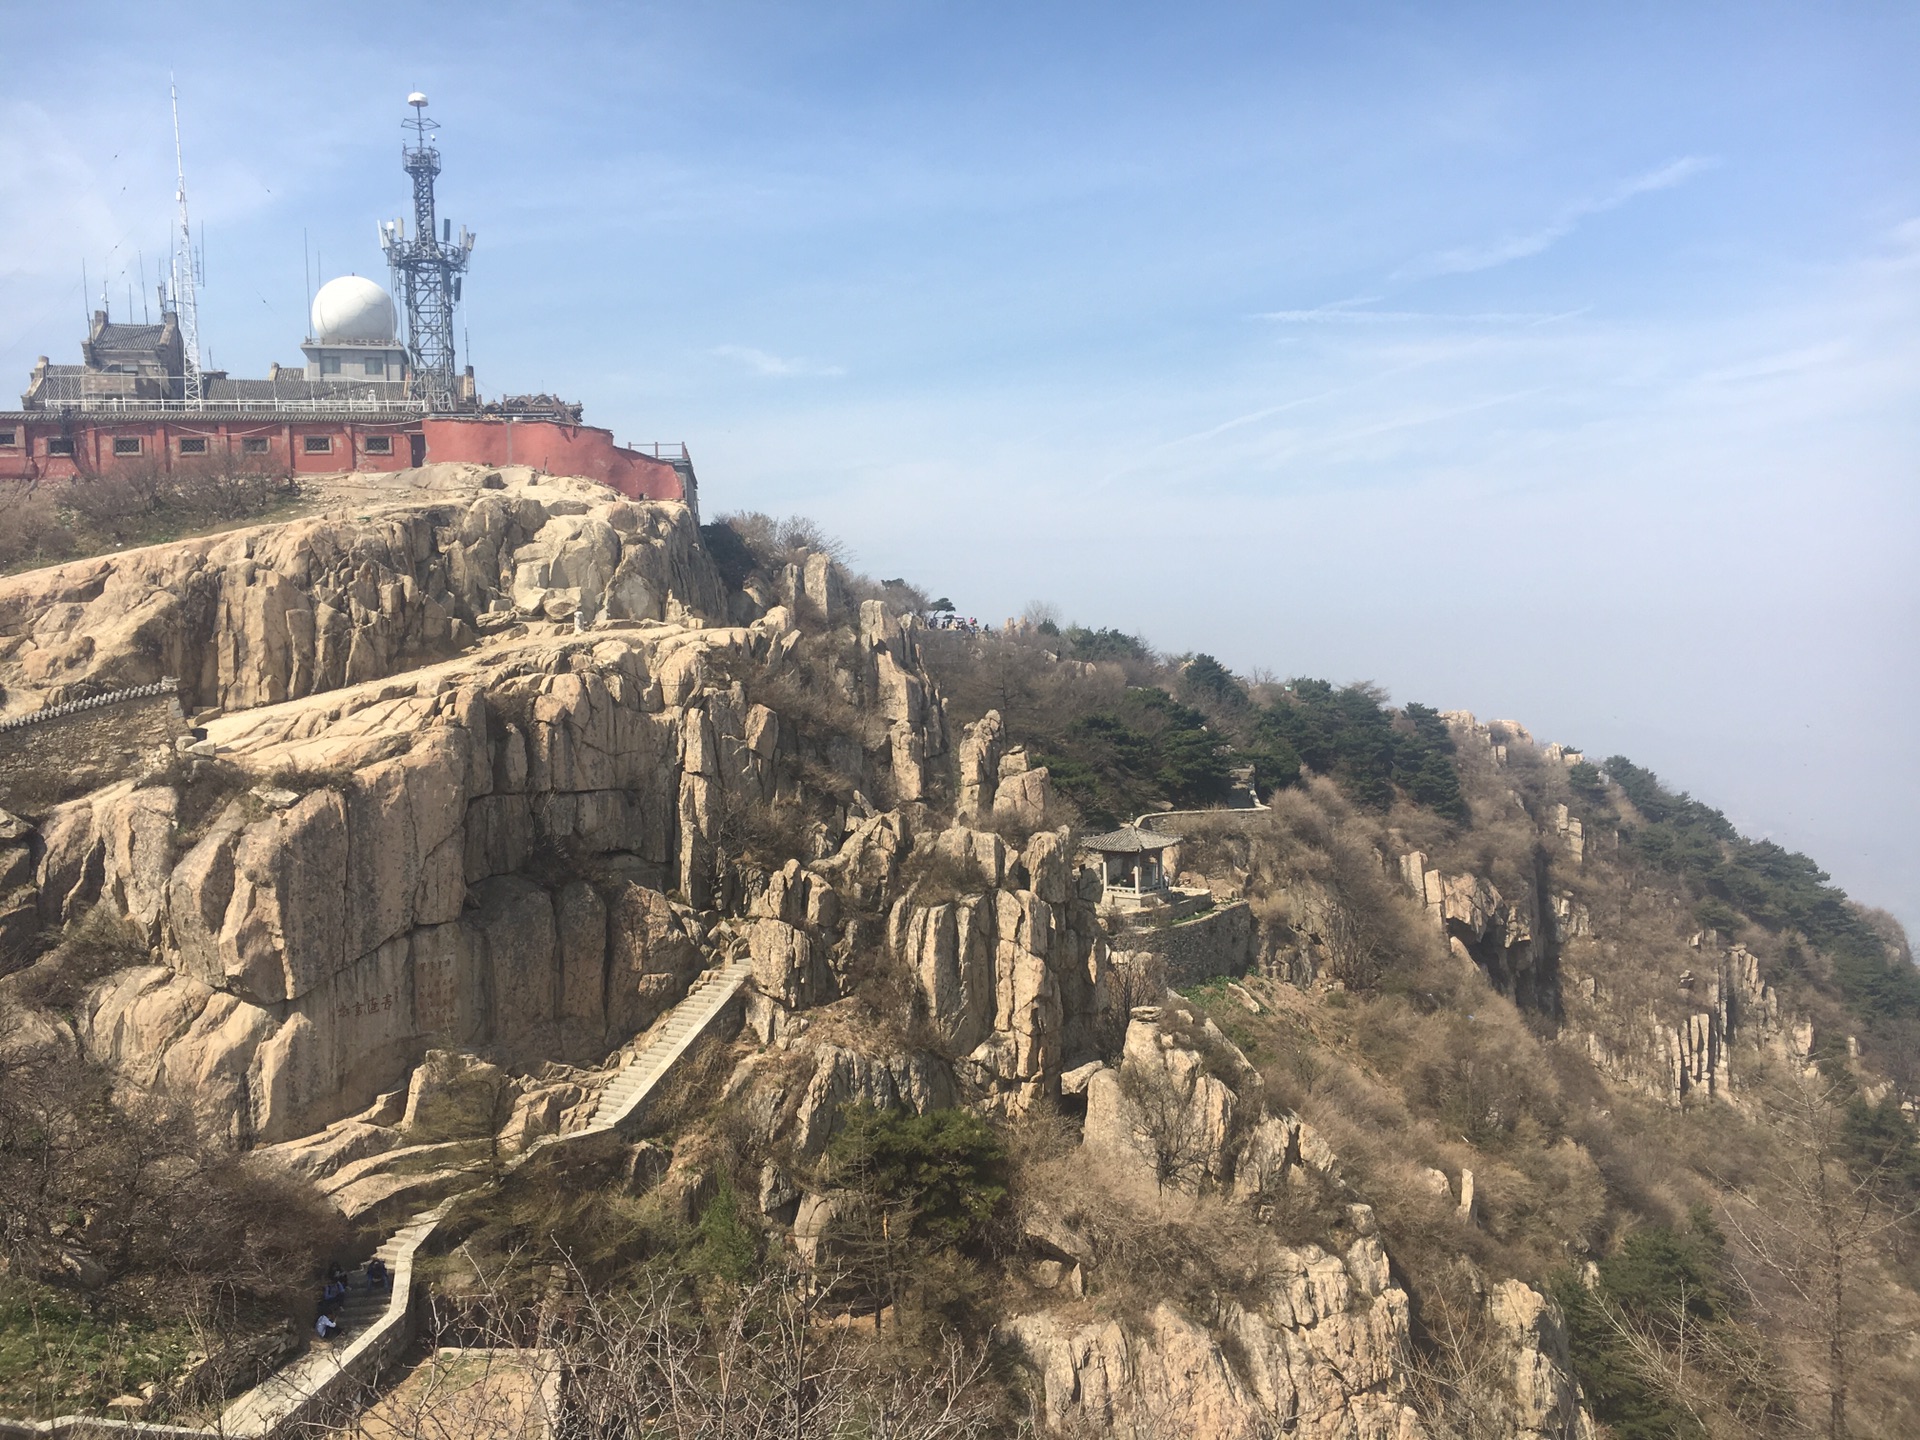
{"x": 306, "y": 272}
{"x": 86, "y": 293}
{"x": 146, "y": 316}
{"x": 185, "y": 298}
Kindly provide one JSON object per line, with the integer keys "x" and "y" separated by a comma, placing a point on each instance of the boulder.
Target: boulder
{"x": 825, "y": 589}
{"x": 979, "y": 759}
{"x": 453, "y": 1096}
{"x": 653, "y": 955}
{"x": 784, "y": 966}
{"x": 840, "y": 1077}
{"x": 1544, "y": 1401}
{"x": 1023, "y": 800}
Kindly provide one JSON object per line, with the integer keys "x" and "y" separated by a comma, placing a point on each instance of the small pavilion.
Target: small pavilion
{"x": 1130, "y": 868}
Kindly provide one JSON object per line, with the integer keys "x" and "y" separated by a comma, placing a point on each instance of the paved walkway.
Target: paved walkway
{"x": 373, "y": 1331}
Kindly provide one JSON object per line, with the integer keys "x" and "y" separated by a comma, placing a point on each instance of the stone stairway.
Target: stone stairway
{"x": 364, "y": 1314}
{"x": 374, "y": 1327}
{"x": 684, "y": 1023}
{"x": 362, "y": 1306}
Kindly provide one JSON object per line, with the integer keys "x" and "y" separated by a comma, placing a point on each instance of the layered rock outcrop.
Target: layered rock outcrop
{"x": 481, "y": 854}
{"x": 1012, "y": 977}
{"x": 258, "y": 616}
{"x": 1681, "y": 1044}
{"x": 1507, "y": 939}
{"x": 1315, "y": 1342}
{"x": 491, "y": 784}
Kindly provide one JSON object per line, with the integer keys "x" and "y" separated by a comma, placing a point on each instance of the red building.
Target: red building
{"x": 123, "y": 407}
{"x": 71, "y": 444}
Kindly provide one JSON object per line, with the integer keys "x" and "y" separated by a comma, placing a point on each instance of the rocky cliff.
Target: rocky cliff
{"x": 484, "y": 776}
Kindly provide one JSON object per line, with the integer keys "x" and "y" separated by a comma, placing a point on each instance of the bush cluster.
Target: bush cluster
{"x": 45, "y": 522}
{"x": 1776, "y": 888}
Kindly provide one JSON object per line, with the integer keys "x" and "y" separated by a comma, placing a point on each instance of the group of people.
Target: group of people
{"x": 965, "y": 624}
{"x": 326, "y": 1323}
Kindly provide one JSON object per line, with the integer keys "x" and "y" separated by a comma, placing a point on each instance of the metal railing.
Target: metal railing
{"x": 132, "y": 405}
{"x": 660, "y": 449}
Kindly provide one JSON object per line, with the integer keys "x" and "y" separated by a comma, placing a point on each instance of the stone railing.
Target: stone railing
{"x": 1179, "y": 822}
{"x": 165, "y": 686}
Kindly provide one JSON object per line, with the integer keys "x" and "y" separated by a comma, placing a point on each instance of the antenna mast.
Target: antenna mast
{"x": 185, "y": 301}
{"x": 428, "y": 267}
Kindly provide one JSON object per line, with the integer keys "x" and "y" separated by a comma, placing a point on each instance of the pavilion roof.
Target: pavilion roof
{"x": 1130, "y": 840}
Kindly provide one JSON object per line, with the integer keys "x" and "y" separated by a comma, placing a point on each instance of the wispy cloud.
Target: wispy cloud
{"x": 1348, "y": 312}
{"x": 1521, "y": 246}
{"x": 762, "y": 362}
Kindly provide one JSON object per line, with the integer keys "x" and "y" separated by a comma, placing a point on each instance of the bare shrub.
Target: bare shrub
{"x": 118, "y": 504}
{"x": 1146, "y": 1244}
{"x": 1808, "y": 1241}
{"x": 118, "y": 1195}
{"x": 667, "y": 1356}
{"x": 1175, "y": 1127}
{"x": 768, "y": 831}
{"x": 817, "y": 692}
{"x": 778, "y": 541}
{"x": 127, "y": 505}
{"x": 102, "y": 942}
{"x": 30, "y": 528}
{"x": 933, "y": 874}
{"x": 1317, "y": 868}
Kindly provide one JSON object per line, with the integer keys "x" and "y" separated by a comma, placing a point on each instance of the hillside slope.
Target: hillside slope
{"x": 1461, "y": 1087}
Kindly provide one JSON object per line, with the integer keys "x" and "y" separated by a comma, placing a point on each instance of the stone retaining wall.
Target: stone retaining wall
{"x": 57, "y": 753}
{"x": 1220, "y": 942}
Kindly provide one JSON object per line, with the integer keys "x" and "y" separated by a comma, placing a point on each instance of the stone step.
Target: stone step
{"x": 695, "y": 1010}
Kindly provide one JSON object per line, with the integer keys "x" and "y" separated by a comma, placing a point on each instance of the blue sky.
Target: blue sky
{"x": 1558, "y": 366}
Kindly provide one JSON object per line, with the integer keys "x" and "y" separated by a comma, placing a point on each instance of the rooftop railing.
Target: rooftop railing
{"x": 130, "y": 404}
{"x": 660, "y": 449}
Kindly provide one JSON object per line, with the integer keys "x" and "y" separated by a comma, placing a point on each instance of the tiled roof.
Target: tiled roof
{"x": 1130, "y": 840}
{"x": 62, "y": 383}
{"x": 130, "y": 337}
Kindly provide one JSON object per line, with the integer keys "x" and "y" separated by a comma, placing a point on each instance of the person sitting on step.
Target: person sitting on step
{"x": 325, "y": 1326}
{"x": 378, "y": 1276}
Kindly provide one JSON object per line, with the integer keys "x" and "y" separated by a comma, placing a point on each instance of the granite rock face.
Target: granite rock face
{"x": 1508, "y": 939}
{"x": 1317, "y": 1358}
{"x": 258, "y": 616}
{"x": 1543, "y": 1403}
{"x": 509, "y": 851}
{"x": 1013, "y": 982}
{"x": 495, "y": 781}
{"x": 392, "y": 906}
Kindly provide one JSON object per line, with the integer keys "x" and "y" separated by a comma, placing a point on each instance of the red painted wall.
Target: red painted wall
{"x": 160, "y": 444}
{"x": 556, "y": 448}
{"x": 548, "y": 445}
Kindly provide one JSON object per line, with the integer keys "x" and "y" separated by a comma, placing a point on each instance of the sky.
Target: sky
{"x": 1557, "y": 363}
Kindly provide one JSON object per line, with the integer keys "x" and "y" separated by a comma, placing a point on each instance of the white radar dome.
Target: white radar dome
{"x": 353, "y": 310}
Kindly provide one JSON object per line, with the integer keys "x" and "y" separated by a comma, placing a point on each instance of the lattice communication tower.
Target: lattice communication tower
{"x": 183, "y": 279}
{"x": 427, "y": 268}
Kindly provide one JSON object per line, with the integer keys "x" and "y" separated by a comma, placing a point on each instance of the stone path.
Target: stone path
{"x": 375, "y": 1327}
{"x": 684, "y": 1024}
{"x": 365, "y": 1321}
